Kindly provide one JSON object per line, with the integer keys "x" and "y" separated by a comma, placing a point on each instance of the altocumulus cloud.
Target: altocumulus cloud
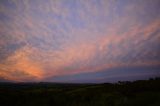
{"x": 51, "y": 38}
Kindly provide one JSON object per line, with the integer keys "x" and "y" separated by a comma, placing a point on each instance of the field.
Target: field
{"x": 137, "y": 93}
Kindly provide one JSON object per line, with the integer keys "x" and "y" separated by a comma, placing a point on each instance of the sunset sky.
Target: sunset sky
{"x": 79, "y": 40}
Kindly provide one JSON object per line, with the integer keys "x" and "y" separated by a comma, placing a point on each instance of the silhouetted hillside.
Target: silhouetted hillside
{"x": 137, "y": 93}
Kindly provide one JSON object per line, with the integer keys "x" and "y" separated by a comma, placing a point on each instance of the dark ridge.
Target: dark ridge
{"x": 122, "y": 93}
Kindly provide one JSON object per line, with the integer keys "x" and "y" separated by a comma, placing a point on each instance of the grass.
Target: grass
{"x": 137, "y": 93}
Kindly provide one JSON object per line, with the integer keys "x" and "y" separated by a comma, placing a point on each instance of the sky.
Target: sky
{"x": 79, "y": 40}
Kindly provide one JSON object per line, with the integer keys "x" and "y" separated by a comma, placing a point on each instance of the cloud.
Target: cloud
{"x": 19, "y": 67}
{"x": 41, "y": 39}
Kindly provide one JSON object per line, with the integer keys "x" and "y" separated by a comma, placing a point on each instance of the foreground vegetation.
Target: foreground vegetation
{"x": 137, "y": 93}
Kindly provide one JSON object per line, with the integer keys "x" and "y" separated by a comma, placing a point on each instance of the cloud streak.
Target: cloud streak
{"x": 42, "y": 39}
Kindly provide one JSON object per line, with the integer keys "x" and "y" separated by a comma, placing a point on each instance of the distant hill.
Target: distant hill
{"x": 122, "y": 93}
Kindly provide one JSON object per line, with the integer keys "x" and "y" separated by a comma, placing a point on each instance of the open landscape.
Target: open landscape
{"x": 137, "y": 93}
{"x": 79, "y": 52}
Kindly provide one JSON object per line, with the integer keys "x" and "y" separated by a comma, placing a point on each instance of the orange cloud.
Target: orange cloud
{"x": 57, "y": 39}
{"x": 19, "y": 67}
